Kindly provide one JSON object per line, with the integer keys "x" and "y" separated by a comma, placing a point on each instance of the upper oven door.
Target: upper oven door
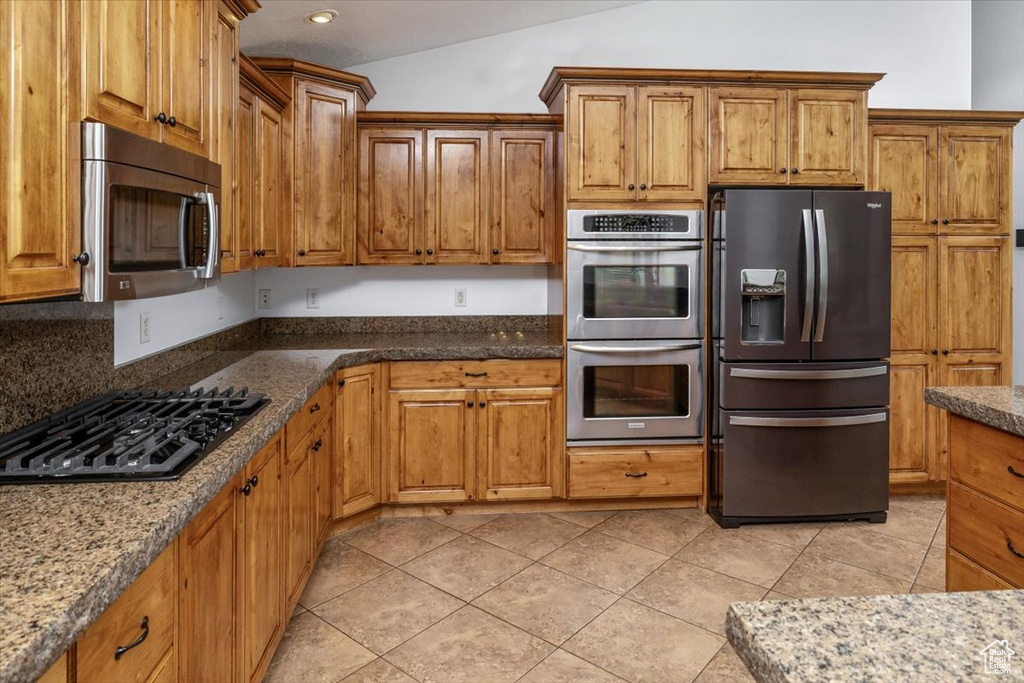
{"x": 147, "y": 233}
{"x": 634, "y": 290}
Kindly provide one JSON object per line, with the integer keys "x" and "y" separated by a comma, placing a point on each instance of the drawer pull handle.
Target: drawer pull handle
{"x": 476, "y": 374}
{"x": 315, "y": 408}
{"x": 1009, "y": 546}
{"x": 138, "y": 641}
{"x": 318, "y": 445}
{"x": 1009, "y": 468}
{"x": 636, "y": 475}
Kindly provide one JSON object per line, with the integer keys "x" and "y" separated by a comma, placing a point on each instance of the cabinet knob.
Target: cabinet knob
{"x": 935, "y": 352}
{"x": 935, "y": 221}
{"x": 795, "y": 171}
{"x": 172, "y": 122}
{"x": 81, "y": 259}
{"x": 469, "y": 404}
{"x": 318, "y": 445}
{"x": 430, "y": 252}
{"x": 945, "y": 221}
{"x": 945, "y": 352}
{"x": 632, "y": 186}
{"x": 495, "y": 251}
{"x": 246, "y": 490}
{"x": 783, "y": 170}
{"x": 255, "y": 480}
{"x": 302, "y": 252}
{"x": 315, "y": 408}
{"x": 643, "y": 186}
{"x": 341, "y": 382}
{"x": 419, "y": 251}
{"x": 482, "y": 404}
{"x": 160, "y": 118}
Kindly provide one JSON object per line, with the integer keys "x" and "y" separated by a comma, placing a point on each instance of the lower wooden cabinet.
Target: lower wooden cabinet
{"x": 636, "y": 473}
{"x": 60, "y": 672}
{"x": 357, "y": 466}
{"x": 299, "y": 513}
{"x": 323, "y": 480}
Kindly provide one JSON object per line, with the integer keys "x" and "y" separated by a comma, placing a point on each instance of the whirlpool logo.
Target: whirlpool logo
{"x": 874, "y": 206}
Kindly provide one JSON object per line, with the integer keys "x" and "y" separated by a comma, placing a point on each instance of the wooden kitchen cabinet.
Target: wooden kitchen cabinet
{"x": 323, "y": 480}
{"x": 238, "y": 241}
{"x": 974, "y": 296}
{"x": 458, "y": 182}
{"x": 40, "y": 230}
{"x": 524, "y": 213}
{"x": 300, "y": 518}
{"x": 828, "y": 137}
{"x": 749, "y": 136}
{"x": 903, "y": 162}
{"x": 269, "y": 194}
{"x": 391, "y": 196}
{"x": 975, "y": 192}
{"x": 357, "y": 466}
{"x": 185, "y": 39}
{"x": 670, "y": 143}
{"x": 60, "y": 671}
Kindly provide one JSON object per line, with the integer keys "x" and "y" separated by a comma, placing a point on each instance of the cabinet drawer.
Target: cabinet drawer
{"x": 964, "y": 575}
{"x": 151, "y": 598}
{"x": 319, "y": 405}
{"x": 635, "y": 473}
{"x": 987, "y": 459}
{"x": 476, "y": 373}
{"x": 983, "y": 531}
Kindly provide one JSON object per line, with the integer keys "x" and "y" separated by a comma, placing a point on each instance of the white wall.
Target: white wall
{"x": 997, "y": 82}
{"x": 924, "y": 46}
{"x": 174, "y": 320}
{"x": 406, "y": 291}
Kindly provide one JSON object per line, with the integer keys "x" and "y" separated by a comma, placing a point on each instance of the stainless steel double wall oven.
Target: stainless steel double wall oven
{"x": 634, "y": 324}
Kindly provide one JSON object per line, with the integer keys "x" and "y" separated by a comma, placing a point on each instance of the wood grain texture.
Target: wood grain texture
{"x": 975, "y": 193}
{"x": 524, "y": 212}
{"x": 657, "y": 471}
{"x": 828, "y": 137}
{"x": 360, "y": 84}
{"x": 982, "y": 530}
{"x": 390, "y": 223}
{"x": 749, "y": 136}
{"x": 223, "y": 129}
{"x": 1006, "y": 118}
{"x": 358, "y": 455}
{"x": 985, "y": 459}
{"x": 974, "y": 295}
{"x": 458, "y": 185}
{"x": 964, "y": 575}
{"x": 915, "y": 264}
{"x": 475, "y": 373}
{"x": 904, "y": 163}
{"x": 60, "y": 672}
{"x": 245, "y": 179}
{"x": 299, "y": 519}
{"x": 323, "y": 481}
{"x": 316, "y": 408}
{"x": 185, "y": 43}
{"x": 449, "y": 119}
{"x": 913, "y": 451}
{"x": 671, "y": 142}
{"x": 269, "y": 198}
{"x": 601, "y": 129}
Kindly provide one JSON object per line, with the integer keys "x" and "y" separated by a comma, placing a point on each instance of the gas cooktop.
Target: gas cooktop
{"x": 123, "y": 436}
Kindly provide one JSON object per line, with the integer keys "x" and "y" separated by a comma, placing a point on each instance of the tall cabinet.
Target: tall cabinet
{"x": 949, "y": 175}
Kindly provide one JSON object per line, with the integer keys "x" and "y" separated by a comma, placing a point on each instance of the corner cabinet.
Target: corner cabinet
{"x": 949, "y": 175}
{"x": 357, "y": 453}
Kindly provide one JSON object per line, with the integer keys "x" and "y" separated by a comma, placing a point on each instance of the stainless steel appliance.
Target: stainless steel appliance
{"x": 149, "y": 217}
{"x": 634, "y": 275}
{"x": 801, "y": 287}
{"x": 126, "y": 436}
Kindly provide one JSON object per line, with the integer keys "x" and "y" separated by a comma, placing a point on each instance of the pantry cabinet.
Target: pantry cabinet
{"x": 357, "y": 460}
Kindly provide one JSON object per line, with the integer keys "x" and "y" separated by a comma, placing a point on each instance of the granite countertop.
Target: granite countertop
{"x": 916, "y": 637}
{"x": 999, "y": 407}
{"x": 68, "y": 551}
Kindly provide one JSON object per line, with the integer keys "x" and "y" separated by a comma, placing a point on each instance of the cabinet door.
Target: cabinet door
{"x": 749, "y": 136}
{"x": 323, "y": 479}
{"x": 185, "y": 76}
{"x": 121, "y": 64}
{"x": 299, "y": 512}
{"x": 974, "y": 179}
{"x": 903, "y": 162}
{"x": 601, "y": 125}
{"x": 915, "y": 291}
{"x": 457, "y": 187}
{"x": 224, "y": 115}
{"x": 357, "y": 472}
{"x": 519, "y": 452}
{"x": 247, "y": 212}
{"x": 913, "y": 447}
{"x": 262, "y": 607}
{"x": 984, "y": 370}
{"x": 269, "y": 195}
{"x": 325, "y": 191}
{"x": 210, "y": 583}
{"x": 39, "y": 226}
{"x": 828, "y": 138}
{"x": 523, "y": 179}
{"x": 974, "y": 296}
{"x": 390, "y": 207}
{"x": 671, "y": 135}
{"x": 431, "y": 445}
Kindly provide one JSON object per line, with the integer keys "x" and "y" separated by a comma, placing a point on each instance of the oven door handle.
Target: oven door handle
{"x": 680, "y": 247}
{"x": 849, "y": 421}
{"x": 631, "y": 349}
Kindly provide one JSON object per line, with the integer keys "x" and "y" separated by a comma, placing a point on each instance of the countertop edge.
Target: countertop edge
{"x": 949, "y": 398}
{"x": 744, "y": 643}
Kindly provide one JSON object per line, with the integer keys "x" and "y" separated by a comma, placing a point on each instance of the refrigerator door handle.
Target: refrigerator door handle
{"x": 819, "y": 329}
{"x": 856, "y": 373}
{"x": 805, "y": 334}
{"x": 850, "y": 421}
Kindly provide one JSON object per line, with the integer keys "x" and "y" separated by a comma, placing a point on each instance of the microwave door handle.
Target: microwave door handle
{"x": 631, "y": 349}
{"x": 819, "y": 329}
{"x": 805, "y": 334}
{"x": 183, "y": 213}
{"x": 213, "y": 246}
{"x": 680, "y": 247}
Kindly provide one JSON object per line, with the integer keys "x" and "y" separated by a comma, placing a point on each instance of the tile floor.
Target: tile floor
{"x": 580, "y": 596}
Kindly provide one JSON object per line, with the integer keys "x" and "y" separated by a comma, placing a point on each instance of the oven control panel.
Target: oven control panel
{"x": 637, "y": 222}
{"x": 604, "y": 224}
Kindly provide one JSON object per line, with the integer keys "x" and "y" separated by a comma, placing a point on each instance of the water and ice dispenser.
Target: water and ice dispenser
{"x": 764, "y": 305}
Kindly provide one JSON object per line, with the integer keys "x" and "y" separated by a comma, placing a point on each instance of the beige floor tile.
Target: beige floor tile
{"x": 464, "y": 523}
{"x": 874, "y": 552}
{"x": 796, "y": 535}
{"x": 470, "y": 646}
{"x": 379, "y": 671}
{"x": 933, "y": 571}
{"x": 605, "y": 561}
{"x": 939, "y": 539}
{"x": 313, "y": 651}
{"x": 530, "y": 535}
{"x": 396, "y": 541}
{"x": 547, "y": 603}
{"x": 388, "y": 610}
{"x": 692, "y": 515}
{"x": 911, "y": 518}
{"x": 812, "y": 576}
{"x": 694, "y": 594}
{"x": 657, "y": 530}
{"x": 643, "y": 645}
{"x": 588, "y": 519}
{"x": 340, "y": 568}
{"x": 776, "y": 595}
{"x": 732, "y": 552}
{"x": 921, "y": 588}
{"x": 299, "y": 609}
{"x": 562, "y": 667}
{"x": 466, "y": 567}
{"x": 726, "y": 667}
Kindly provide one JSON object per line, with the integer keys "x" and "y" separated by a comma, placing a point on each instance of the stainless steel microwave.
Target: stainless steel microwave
{"x": 150, "y": 217}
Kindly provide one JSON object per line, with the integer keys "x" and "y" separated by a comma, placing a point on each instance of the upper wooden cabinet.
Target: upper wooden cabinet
{"x": 456, "y": 188}
{"x": 319, "y": 160}
{"x": 635, "y": 143}
{"x": 749, "y": 135}
{"x": 948, "y": 171}
{"x": 40, "y": 230}
{"x": 147, "y": 68}
{"x": 828, "y": 137}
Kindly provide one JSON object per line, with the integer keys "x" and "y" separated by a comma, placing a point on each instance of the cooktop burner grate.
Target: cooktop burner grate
{"x": 126, "y": 436}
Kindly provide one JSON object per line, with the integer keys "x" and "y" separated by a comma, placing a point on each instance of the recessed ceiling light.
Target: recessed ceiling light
{"x": 324, "y": 16}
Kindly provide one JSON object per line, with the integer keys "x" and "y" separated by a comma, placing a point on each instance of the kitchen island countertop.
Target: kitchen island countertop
{"x": 999, "y": 407}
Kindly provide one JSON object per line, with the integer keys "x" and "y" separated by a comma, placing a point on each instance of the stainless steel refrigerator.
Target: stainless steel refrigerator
{"x": 800, "y": 320}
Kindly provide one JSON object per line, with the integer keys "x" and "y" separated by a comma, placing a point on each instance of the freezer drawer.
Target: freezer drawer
{"x": 803, "y": 386}
{"x": 806, "y": 463}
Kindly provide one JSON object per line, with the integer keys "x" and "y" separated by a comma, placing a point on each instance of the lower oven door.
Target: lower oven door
{"x": 634, "y": 290}
{"x": 635, "y": 390}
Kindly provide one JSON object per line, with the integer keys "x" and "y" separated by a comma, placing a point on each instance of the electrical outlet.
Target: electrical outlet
{"x": 264, "y": 300}
{"x": 144, "y": 333}
{"x": 220, "y": 308}
{"x": 312, "y": 298}
{"x": 460, "y": 297}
